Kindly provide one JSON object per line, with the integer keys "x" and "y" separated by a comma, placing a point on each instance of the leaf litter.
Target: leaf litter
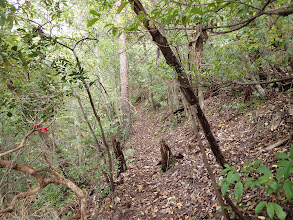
{"x": 185, "y": 191}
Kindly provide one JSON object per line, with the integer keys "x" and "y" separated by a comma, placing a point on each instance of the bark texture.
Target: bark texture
{"x": 125, "y": 106}
{"x": 195, "y": 55}
{"x": 119, "y": 156}
{"x": 167, "y": 156}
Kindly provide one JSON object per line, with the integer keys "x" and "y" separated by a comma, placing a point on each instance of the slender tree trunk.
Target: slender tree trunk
{"x": 182, "y": 78}
{"x": 78, "y": 136}
{"x": 206, "y": 162}
{"x": 151, "y": 95}
{"x": 125, "y": 107}
{"x": 98, "y": 146}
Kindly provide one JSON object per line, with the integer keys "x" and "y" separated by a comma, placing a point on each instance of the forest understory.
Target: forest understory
{"x": 244, "y": 131}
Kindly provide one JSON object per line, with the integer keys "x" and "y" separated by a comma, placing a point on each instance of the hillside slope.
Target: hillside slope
{"x": 185, "y": 191}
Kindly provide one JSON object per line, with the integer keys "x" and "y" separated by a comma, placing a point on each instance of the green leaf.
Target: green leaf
{"x": 272, "y": 187}
{"x": 196, "y": 10}
{"x": 120, "y": 8}
{"x": 91, "y": 83}
{"x": 256, "y": 163}
{"x": 94, "y": 12}
{"x": 282, "y": 163}
{"x": 273, "y": 184}
{"x": 184, "y": 20}
{"x": 114, "y": 31}
{"x": 14, "y": 48}
{"x": 9, "y": 114}
{"x": 92, "y": 22}
{"x": 248, "y": 184}
{"x": 224, "y": 188}
{"x": 280, "y": 173}
{"x": 225, "y": 171}
{"x": 279, "y": 211}
{"x": 287, "y": 169}
{"x": 270, "y": 210}
{"x": 238, "y": 190}
{"x": 263, "y": 180}
{"x": 288, "y": 189}
{"x": 260, "y": 206}
{"x": 281, "y": 155}
{"x": 248, "y": 180}
{"x": 231, "y": 177}
{"x": 264, "y": 170}
{"x": 249, "y": 162}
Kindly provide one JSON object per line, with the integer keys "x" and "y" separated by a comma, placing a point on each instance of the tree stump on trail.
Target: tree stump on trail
{"x": 167, "y": 156}
{"x": 119, "y": 156}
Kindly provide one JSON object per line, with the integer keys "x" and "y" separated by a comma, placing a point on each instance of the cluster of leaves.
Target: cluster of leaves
{"x": 253, "y": 175}
{"x": 7, "y": 12}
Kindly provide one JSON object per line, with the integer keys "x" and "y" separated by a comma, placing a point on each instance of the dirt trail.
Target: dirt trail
{"x": 147, "y": 193}
{"x": 185, "y": 191}
{"x": 140, "y": 184}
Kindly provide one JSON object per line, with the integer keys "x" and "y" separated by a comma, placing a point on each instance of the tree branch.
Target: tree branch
{"x": 285, "y": 11}
{"x": 43, "y": 181}
{"x": 219, "y": 2}
{"x": 280, "y": 11}
{"x": 267, "y": 82}
{"x": 83, "y": 39}
{"x": 20, "y": 146}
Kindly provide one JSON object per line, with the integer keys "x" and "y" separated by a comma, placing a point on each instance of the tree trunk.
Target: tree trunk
{"x": 119, "y": 156}
{"x": 195, "y": 54}
{"x": 125, "y": 107}
{"x": 167, "y": 156}
{"x": 151, "y": 95}
{"x": 182, "y": 79}
{"x": 78, "y": 136}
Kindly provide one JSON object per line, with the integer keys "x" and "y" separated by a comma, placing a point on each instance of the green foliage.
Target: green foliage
{"x": 262, "y": 177}
{"x": 51, "y": 194}
{"x": 272, "y": 208}
{"x": 44, "y": 77}
{"x": 7, "y": 12}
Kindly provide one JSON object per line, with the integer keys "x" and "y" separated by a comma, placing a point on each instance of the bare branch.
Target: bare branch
{"x": 265, "y": 5}
{"x": 232, "y": 30}
{"x": 219, "y": 2}
{"x": 24, "y": 139}
{"x": 20, "y": 146}
{"x": 245, "y": 22}
{"x": 267, "y": 82}
{"x": 83, "y": 39}
{"x": 64, "y": 45}
{"x": 280, "y": 11}
{"x": 18, "y": 196}
{"x": 43, "y": 181}
{"x": 284, "y": 11}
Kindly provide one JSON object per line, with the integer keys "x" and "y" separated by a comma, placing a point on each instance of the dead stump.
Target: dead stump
{"x": 167, "y": 156}
{"x": 119, "y": 156}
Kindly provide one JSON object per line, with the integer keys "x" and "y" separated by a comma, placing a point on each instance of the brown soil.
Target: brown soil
{"x": 185, "y": 191}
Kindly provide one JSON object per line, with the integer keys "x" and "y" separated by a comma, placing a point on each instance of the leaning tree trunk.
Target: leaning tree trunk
{"x": 182, "y": 79}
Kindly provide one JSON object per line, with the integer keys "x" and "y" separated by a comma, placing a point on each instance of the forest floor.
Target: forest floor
{"x": 243, "y": 130}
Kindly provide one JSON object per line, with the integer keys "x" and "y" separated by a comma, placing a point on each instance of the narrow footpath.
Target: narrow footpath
{"x": 147, "y": 193}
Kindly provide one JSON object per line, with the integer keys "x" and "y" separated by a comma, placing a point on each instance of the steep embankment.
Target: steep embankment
{"x": 185, "y": 190}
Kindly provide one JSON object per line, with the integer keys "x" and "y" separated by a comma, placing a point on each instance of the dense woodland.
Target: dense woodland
{"x": 170, "y": 109}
